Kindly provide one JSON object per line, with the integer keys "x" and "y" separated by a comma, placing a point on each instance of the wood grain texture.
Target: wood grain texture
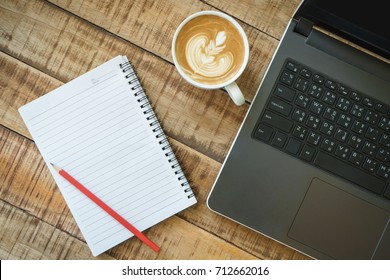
{"x": 151, "y": 25}
{"x": 269, "y": 16}
{"x": 24, "y": 236}
{"x": 44, "y": 45}
{"x": 204, "y": 120}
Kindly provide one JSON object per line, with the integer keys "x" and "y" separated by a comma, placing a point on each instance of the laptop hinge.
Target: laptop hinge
{"x": 304, "y": 27}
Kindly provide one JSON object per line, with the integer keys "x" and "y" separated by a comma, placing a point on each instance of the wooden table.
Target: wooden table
{"x": 45, "y": 44}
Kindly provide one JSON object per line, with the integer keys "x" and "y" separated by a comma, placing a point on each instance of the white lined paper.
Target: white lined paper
{"x": 93, "y": 127}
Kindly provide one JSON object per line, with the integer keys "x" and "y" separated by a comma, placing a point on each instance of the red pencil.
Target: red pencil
{"x": 106, "y": 208}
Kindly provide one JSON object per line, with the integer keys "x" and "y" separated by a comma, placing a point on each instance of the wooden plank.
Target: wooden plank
{"x": 269, "y": 16}
{"x": 24, "y": 236}
{"x": 63, "y": 46}
{"x": 27, "y": 184}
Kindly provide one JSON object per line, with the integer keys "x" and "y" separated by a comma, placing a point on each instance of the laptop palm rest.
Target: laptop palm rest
{"x": 339, "y": 224}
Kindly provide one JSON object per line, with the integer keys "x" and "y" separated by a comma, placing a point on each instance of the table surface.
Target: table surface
{"x": 45, "y": 44}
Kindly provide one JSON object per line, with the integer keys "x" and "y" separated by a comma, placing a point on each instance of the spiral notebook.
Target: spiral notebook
{"x": 101, "y": 128}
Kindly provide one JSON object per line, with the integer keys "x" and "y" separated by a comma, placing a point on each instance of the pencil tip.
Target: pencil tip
{"x": 55, "y": 167}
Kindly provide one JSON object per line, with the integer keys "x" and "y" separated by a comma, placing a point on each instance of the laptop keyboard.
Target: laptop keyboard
{"x": 319, "y": 120}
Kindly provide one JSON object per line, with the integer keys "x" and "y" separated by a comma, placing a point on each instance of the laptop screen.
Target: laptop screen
{"x": 365, "y": 23}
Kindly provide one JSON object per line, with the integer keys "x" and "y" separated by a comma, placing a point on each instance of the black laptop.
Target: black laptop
{"x": 310, "y": 165}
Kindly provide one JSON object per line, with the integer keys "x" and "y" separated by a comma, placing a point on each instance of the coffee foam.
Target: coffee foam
{"x": 209, "y": 49}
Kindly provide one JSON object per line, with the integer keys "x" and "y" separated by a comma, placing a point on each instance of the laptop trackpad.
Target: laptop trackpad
{"x": 338, "y": 224}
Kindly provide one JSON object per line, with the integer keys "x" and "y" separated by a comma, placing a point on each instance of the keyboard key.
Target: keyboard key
{"x": 330, "y": 84}
{"x": 301, "y": 84}
{"x": 328, "y": 145}
{"x": 330, "y": 114}
{"x": 316, "y": 107}
{"x": 313, "y": 122}
{"x": 280, "y": 106}
{"x": 356, "y": 158}
{"x": 263, "y": 132}
{"x": 355, "y": 141}
{"x": 369, "y": 148}
{"x": 315, "y": 91}
{"x": 381, "y": 108}
{"x": 318, "y": 79}
{"x": 277, "y": 121}
{"x": 385, "y": 140}
{"x": 313, "y": 138}
{"x": 300, "y": 131}
{"x": 307, "y": 153}
{"x": 385, "y": 123}
{"x": 343, "y": 104}
{"x": 284, "y": 92}
{"x": 299, "y": 115}
{"x": 343, "y": 90}
{"x": 302, "y": 101}
{"x": 344, "y": 120}
{"x": 293, "y": 146}
{"x": 358, "y": 127}
{"x": 356, "y": 96}
{"x": 279, "y": 139}
{"x": 327, "y": 128}
{"x": 342, "y": 151}
{"x": 370, "y": 165}
{"x": 368, "y": 102}
{"x": 384, "y": 171}
{"x": 287, "y": 78}
{"x": 371, "y": 117}
{"x": 372, "y": 133}
{"x": 305, "y": 73}
{"x": 357, "y": 110}
{"x": 349, "y": 172}
{"x": 329, "y": 97}
{"x": 292, "y": 66}
{"x": 383, "y": 154}
{"x": 340, "y": 135}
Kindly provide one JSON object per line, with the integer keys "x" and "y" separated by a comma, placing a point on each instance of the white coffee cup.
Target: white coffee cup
{"x": 205, "y": 58}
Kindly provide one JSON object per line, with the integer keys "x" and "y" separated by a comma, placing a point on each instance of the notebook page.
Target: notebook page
{"x": 93, "y": 127}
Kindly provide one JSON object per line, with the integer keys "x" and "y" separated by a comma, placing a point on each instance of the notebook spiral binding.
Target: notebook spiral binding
{"x": 131, "y": 76}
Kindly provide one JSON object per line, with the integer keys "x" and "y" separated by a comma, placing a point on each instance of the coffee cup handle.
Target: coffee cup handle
{"x": 235, "y": 93}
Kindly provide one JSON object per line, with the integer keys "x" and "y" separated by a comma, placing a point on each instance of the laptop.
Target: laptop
{"x": 310, "y": 165}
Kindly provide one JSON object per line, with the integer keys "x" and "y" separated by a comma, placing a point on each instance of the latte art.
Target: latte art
{"x": 206, "y": 56}
{"x": 210, "y": 50}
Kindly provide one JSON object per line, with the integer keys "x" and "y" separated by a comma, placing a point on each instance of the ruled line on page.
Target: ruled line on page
{"x": 121, "y": 229}
{"x": 128, "y": 178}
{"x": 85, "y": 131}
{"x": 103, "y": 151}
{"x": 87, "y": 111}
{"x": 61, "y": 104}
{"x": 109, "y": 230}
{"x": 144, "y": 202}
{"x": 111, "y": 158}
{"x": 78, "y": 102}
{"x": 138, "y": 204}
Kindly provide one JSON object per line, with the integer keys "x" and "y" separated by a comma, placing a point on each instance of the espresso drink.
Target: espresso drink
{"x": 210, "y": 50}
